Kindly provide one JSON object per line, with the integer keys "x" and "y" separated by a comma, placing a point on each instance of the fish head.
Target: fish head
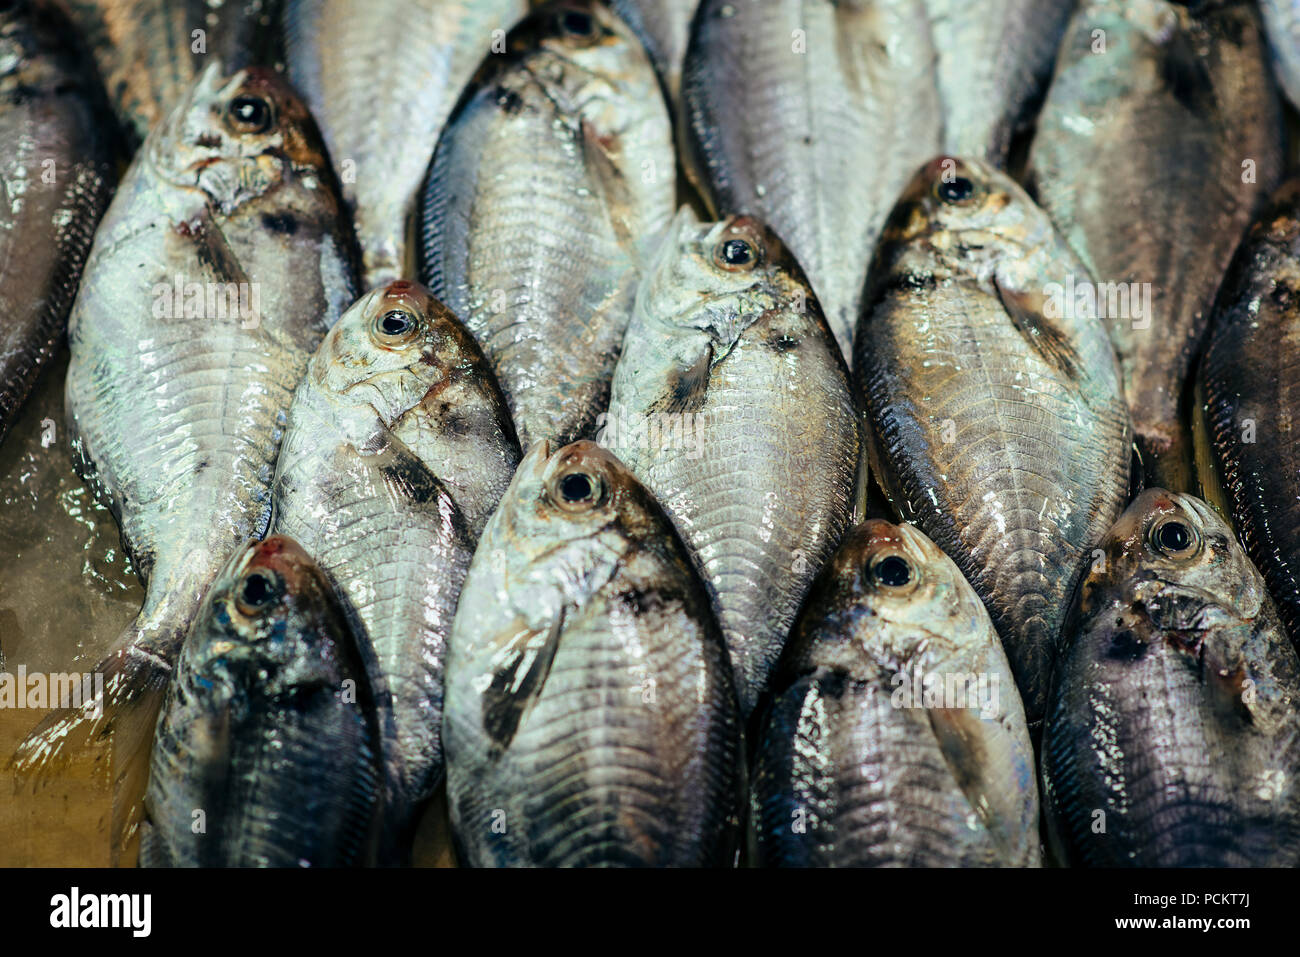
{"x": 577, "y": 43}
{"x": 272, "y": 618}
{"x": 718, "y": 279}
{"x": 893, "y": 599}
{"x": 395, "y": 348}
{"x": 237, "y": 137}
{"x": 1170, "y": 565}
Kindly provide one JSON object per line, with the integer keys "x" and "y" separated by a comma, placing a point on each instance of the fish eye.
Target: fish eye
{"x": 955, "y": 192}
{"x": 578, "y": 490}
{"x": 892, "y": 571}
{"x": 1175, "y": 538}
{"x": 259, "y": 588}
{"x": 249, "y": 114}
{"x": 577, "y": 23}
{"x": 735, "y": 255}
{"x": 395, "y": 326}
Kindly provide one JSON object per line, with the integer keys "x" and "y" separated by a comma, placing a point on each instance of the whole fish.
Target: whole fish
{"x": 398, "y": 448}
{"x": 590, "y": 714}
{"x": 1282, "y": 27}
{"x": 549, "y": 183}
{"x": 812, "y": 115}
{"x": 995, "y": 61}
{"x": 381, "y": 77}
{"x": 664, "y": 26}
{"x": 221, "y": 262}
{"x": 56, "y": 175}
{"x": 1250, "y": 380}
{"x": 268, "y": 731}
{"x": 895, "y": 737}
{"x": 996, "y": 421}
{"x": 1173, "y": 734}
{"x": 1159, "y": 113}
{"x": 150, "y": 52}
{"x": 733, "y": 406}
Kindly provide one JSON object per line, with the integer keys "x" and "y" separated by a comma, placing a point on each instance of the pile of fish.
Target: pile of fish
{"x": 735, "y": 432}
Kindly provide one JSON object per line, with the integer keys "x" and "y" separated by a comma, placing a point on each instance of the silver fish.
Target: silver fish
{"x": 221, "y": 262}
{"x": 732, "y": 404}
{"x": 590, "y": 715}
{"x": 664, "y": 26}
{"x": 812, "y": 115}
{"x": 1282, "y": 24}
{"x": 895, "y": 737}
{"x": 381, "y": 78}
{"x": 397, "y": 450}
{"x": 551, "y": 180}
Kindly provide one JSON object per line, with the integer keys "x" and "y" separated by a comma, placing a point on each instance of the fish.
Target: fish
{"x": 664, "y": 27}
{"x": 995, "y": 61}
{"x": 56, "y": 176}
{"x": 220, "y": 264}
{"x": 547, "y": 191}
{"x": 590, "y": 717}
{"x": 150, "y": 52}
{"x": 894, "y": 736}
{"x": 381, "y": 77}
{"x": 1251, "y": 399}
{"x": 267, "y": 752}
{"x": 732, "y": 404}
{"x": 1173, "y": 733}
{"x": 1281, "y": 20}
{"x": 812, "y": 115}
{"x": 397, "y": 450}
{"x": 995, "y": 420}
{"x": 1159, "y": 113}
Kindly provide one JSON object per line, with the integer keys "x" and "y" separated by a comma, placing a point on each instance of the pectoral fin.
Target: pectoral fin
{"x": 1026, "y": 310}
{"x": 518, "y": 682}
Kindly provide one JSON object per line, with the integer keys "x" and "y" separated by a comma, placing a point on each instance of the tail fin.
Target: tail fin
{"x": 122, "y": 716}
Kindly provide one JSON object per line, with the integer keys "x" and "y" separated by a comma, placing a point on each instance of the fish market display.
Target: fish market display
{"x": 732, "y": 405}
{"x": 590, "y": 713}
{"x": 812, "y": 115}
{"x": 56, "y": 175}
{"x": 397, "y": 450}
{"x": 1173, "y": 735}
{"x": 549, "y": 187}
{"x": 382, "y": 105}
{"x": 149, "y": 52}
{"x": 1159, "y": 137}
{"x": 664, "y": 27}
{"x": 1282, "y": 24}
{"x": 1251, "y": 384}
{"x": 268, "y": 731}
{"x": 214, "y": 275}
{"x": 895, "y": 736}
{"x": 995, "y": 59}
{"x": 996, "y": 419}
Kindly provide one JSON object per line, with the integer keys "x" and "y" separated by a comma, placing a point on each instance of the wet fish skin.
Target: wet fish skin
{"x": 149, "y": 55}
{"x": 397, "y": 449}
{"x": 1174, "y": 709}
{"x": 784, "y": 136}
{"x": 383, "y": 105}
{"x": 735, "y": 367}
{"x": 56, "y": 176}
{"x": 996, "y": 427}
{"x": 1158, "y": 129}
{"x": 259, "y": 730}
{"x": 543, "y": 267}
{"x": 589, "y": 708}
{"x": 1281, "y": 20}
{"x": 664, "y": 27}
{"x": 875, "y": 777}
{"x": 995, "y": 61}
{"x": 176, "y": 421}
{"x": 1251, "y": 394}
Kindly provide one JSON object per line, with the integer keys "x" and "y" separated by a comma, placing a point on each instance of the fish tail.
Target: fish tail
{"x": 121, "y": 712}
